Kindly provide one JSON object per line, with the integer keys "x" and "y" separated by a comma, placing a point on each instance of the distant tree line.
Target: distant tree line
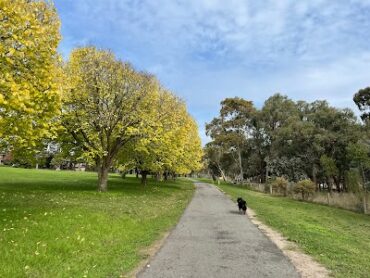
{"x": 93, "y": 108}
{"x": 293, "y": 140}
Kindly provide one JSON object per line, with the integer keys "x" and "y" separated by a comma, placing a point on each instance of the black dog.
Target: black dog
{"x": 242, "y": 204}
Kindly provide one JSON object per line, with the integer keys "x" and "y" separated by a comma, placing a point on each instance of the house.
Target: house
{"x": 5, "y": 157}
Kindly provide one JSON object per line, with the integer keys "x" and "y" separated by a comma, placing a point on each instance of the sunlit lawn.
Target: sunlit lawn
{"x": 337, "y": 238}
{"x": 55, "y": 224}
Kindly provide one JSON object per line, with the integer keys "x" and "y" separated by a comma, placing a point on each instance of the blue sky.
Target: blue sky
{"x": 206, "y": 50}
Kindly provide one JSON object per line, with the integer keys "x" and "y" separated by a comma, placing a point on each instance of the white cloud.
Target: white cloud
{"x": 207, "y": 50}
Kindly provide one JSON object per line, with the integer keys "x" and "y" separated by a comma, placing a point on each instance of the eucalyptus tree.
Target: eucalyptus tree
{"x": 276, "y": 112}
{"x": 213, "y": 155}
{"x": 296, "y": 140}
{"x": 234, "y": 127}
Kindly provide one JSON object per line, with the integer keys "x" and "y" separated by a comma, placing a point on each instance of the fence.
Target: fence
{"x": 350, "y": 201}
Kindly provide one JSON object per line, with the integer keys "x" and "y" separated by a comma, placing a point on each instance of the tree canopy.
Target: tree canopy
{"x": 29, "y": 71}
{"x": 93, "y": 108}
{"x": 294, "y": 140}
{"x": 118, "y": 116}
{"x": 170, "y": 143}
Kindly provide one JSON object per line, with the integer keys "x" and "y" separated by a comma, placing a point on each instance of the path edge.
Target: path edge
{"x": 151, "y": 251}
{"x": 306, "y": 266}
{"x": 157, "y": 245}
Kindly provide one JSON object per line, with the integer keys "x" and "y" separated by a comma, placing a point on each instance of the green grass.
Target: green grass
{"x": 55, "y": 224}
{"x": 337, "y": 238}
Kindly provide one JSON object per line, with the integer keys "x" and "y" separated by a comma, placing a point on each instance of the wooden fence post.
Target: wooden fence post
{"x": 365, "y": 199}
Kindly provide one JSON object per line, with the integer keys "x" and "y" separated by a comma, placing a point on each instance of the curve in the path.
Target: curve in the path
{"x": 213, "y": 240}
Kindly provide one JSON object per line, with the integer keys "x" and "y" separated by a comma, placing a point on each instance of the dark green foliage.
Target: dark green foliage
{"x": 353, "y": 181}
{"x": 293, "y": 168}
{"x": 294, "y": 140}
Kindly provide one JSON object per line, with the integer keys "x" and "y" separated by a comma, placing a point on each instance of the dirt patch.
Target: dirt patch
{"x": 305, "y": 265}
{"x": 147, "y": 254}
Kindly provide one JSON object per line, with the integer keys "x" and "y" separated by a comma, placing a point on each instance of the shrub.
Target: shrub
{"x": 280, "y": 185}
{"x": 305, "y": 188}
{"x": 353, "y": 181}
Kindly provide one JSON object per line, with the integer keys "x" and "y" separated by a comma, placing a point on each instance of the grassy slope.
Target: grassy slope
{"x": 337, "y": 238}
{"x": 55, "y": 224}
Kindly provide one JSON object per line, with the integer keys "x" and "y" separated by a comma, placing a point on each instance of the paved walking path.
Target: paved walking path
{"x": 213, "y": 240}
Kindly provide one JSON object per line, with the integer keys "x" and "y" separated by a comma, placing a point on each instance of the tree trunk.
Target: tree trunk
{"x": 103, "y": 170}
{"x": 159, "y": 176}
{"x": 240, "y": 165}
{"x": 261, "y": 171}
{"x": 144, "y": 175}
{"x": 337, "y": 183}
{"x": 314, "y": 177}
{"x": 329, "y": 181}
{"x": 365, "y": 200}
{"x": 137, "y": 173}
{"x": 345, "y": 187}
{"x": 221, "y": 172}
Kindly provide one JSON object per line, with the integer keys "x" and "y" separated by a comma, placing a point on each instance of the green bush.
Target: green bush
{"x": 353, "y": 181}
{"x": 280, "y": 185}
{"x": 304, "y": 187}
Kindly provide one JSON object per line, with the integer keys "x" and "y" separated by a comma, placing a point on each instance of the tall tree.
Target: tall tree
{"x": 330, "y": 169}
{"x": 29, "y": 71}
{"x": 234, "y": 127}
{"x": 171, "y": 143}
{"x": 297, "y": 140}
{"x": 106, "y": 105}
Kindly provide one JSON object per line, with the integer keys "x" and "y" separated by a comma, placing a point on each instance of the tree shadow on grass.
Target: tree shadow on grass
{"x": 116, "y": 184}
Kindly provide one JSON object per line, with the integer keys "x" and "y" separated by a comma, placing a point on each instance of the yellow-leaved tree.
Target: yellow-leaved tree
{"x": 190, "y": 157}
{"x": 169, "y": 145}
{"x": 106, "y": 105}
{"x": 29, "y": 71}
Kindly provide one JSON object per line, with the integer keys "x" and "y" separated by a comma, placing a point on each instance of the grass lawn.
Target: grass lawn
{"x": 337, "y": 238}
{"x": 55, "y": 224}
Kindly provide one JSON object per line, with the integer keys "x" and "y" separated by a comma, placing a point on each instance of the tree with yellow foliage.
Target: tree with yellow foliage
{"x": 190, "y": 159}
{"x": 170, "y": 144}
{"x": 106, "y": 105}
{"x": 29, "y": 71}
